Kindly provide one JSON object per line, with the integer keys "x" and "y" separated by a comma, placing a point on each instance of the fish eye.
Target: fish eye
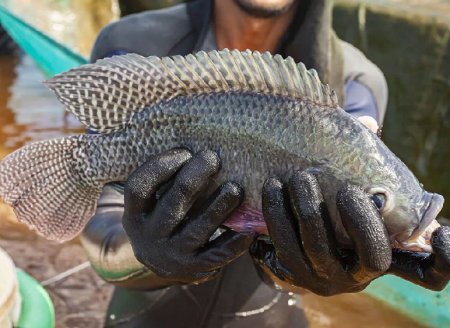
{"x": 379, "y": 199}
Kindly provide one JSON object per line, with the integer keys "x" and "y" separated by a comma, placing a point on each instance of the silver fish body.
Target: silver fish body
{"x": 258, "y": 136}
{"x": 257, "y": 133}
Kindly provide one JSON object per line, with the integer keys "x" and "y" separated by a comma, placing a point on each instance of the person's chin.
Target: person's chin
{"x": 262, "y": 9}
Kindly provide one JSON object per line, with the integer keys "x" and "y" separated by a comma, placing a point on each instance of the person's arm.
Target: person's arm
{"x": 150, "y": 239}
{"x": 107, "y": 244}
{"x": 303, "y": 252}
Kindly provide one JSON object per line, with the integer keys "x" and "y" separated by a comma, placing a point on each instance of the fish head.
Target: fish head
{"x": 409, "y": 214}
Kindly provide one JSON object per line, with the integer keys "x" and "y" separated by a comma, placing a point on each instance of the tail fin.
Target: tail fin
{"x": 43, "y": 182}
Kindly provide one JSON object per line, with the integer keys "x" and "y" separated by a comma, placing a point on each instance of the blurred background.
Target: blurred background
{"x": 407, "y": 39}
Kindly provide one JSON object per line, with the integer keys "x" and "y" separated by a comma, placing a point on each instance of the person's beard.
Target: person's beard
{"x": 257, "y": 9}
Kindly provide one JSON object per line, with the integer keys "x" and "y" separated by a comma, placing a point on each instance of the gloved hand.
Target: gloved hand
{"x": 431, "y": 271}
{"x": 170, "y": 236}
{"x": 303, "y": 251}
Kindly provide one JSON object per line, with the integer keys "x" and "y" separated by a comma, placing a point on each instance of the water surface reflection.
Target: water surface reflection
{"x": 74, "y": 23}
{"x": 28, "y": 110}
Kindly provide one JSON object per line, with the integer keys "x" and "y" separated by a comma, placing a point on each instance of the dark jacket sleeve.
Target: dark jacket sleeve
{"x": 370, "y": 82}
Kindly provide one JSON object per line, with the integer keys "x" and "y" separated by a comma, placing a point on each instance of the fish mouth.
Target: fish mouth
{"x": 420, "y": 239}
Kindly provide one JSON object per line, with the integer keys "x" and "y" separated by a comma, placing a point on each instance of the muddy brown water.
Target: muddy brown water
{"x": 29, "y": 112}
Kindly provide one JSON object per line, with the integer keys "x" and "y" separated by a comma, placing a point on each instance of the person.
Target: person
{"x": 159, "y": 239}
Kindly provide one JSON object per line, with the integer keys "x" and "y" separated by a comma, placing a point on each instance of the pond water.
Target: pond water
{"x": 28, "y": 110}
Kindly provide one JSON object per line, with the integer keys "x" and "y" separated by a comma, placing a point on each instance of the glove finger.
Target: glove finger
{"x": 173, "y": 206}
{"x": 143, "y": 183}
{"x": 365, "y": 227}
{"x": 440, "y": 241}
{"x": 419, "y": 268}
{"x": 436, "y": 273}
{"x": 316, "y": 232}
{"x": 413, "y": 266}
{"x": 265, "y": 254}
{"x": 198, "y": 230}
{"x": 224, "y": 249}
{"x": 282, "y": 229}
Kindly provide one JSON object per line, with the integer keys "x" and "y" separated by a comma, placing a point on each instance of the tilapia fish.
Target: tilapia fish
{"x": 264, "y": 115}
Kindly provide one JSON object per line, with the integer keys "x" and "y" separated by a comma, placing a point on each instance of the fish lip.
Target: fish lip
{"x": 434, "y": 207}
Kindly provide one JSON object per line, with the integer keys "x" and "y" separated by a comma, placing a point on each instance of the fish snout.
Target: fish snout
{"x": 420, "y": 238}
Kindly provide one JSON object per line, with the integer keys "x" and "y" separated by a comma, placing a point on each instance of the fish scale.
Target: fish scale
{"x": 224, "y": 122}
{"x": 264, "y": 116}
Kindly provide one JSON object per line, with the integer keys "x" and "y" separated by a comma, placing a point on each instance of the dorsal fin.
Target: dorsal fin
{"x": 105, "y": 95}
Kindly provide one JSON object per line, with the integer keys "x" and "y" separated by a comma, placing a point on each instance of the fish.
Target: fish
{"x": 264, "y": 115}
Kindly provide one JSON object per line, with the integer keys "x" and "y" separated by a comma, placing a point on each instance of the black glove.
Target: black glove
{"x": 168, "y": 234}
{"x": 303, "y": 251}
{"x": 431, "y": 271}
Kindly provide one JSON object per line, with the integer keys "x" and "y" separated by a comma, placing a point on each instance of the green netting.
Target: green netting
{"x": 51, "y": 56}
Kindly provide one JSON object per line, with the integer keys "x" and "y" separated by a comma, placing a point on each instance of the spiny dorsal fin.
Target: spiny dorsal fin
{"x": 105, "y": 95}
